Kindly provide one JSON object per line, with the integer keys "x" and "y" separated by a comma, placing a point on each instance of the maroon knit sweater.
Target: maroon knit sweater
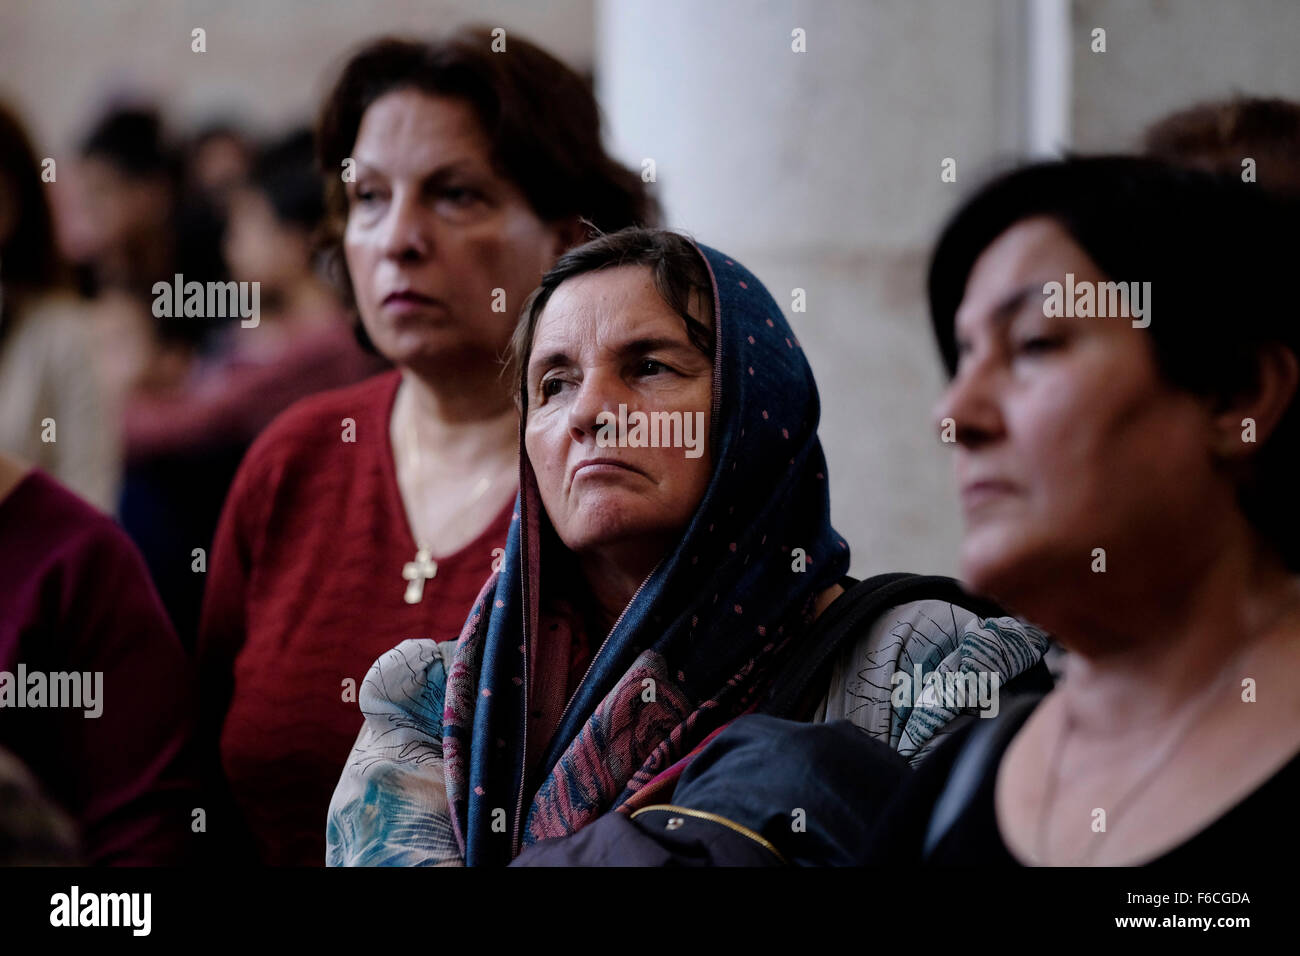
{"x": 304, "y": 592}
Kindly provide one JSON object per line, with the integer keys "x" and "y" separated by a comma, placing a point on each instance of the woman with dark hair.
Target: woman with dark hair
{"x": 1129, "y": 482}
{"x": 671, "y": 555}
{"x": 366, "y": 515}
{"x": 51, "y": 400}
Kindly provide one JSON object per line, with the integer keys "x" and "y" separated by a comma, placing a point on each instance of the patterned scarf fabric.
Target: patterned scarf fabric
{"x": 701, "y": 639}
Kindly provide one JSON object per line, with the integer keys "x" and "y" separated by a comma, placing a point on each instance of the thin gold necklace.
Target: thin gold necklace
{"x": 1167, "y": 751}
{"x": 423, "y": 567}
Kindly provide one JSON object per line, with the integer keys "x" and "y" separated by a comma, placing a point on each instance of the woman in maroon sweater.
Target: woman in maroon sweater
{"x": 370, "y": 514}
{"x": 95, "y": 688}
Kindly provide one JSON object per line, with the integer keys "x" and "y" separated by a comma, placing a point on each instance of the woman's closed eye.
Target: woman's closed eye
{"x": 647, "y": 367}
{"x": 458, "y": 198}
{"x": 460, "y": 195}
{"x": 1039, "y": 344}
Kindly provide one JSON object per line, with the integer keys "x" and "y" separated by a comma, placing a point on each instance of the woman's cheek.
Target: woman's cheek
{"x": 541, "y": 445}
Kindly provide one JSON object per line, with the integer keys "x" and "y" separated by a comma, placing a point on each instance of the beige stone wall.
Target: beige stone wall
{"x": 1163, "y": 55}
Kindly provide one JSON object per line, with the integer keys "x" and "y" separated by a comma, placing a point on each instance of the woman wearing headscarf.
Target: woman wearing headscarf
{"x": 653, "y": 586}
{"x": 369, "y": 514}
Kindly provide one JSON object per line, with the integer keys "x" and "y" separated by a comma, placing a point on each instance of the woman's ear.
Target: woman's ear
{"x": 1245, "y": 421}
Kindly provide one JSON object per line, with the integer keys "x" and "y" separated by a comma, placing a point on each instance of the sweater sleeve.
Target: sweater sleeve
{"x": 390, "y": 807}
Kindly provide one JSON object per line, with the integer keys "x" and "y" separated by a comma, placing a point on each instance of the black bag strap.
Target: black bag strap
{"x": 848, "y": 617}
{"x": 975, "y": 764}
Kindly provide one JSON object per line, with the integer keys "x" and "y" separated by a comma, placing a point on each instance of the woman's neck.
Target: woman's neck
{"x": 465, "y": 414}
{"x": 613, "y": 579}
{"x": 614, "y": 575}
{"x": 1138, "y": 662}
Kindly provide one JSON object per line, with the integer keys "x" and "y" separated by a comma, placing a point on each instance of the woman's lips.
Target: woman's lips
{"x": 978, "y": 494}
{"x": 408, "y": 302}
{"x": 594, "y": 467}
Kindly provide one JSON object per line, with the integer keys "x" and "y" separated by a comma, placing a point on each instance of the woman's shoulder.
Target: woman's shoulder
{"x": 62, "y": 537}
{"x": 55, "y": 324}
{"x": 916, "y": 656}
{"x": 57, "y": 307}
{"x": 60, "y": 519}
{"x": 363, "y": 402}
{"x": 328, "y": 425}
{"x": 944, "y": 812}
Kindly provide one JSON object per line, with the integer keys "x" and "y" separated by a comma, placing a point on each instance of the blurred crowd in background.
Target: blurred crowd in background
{"x": 153, "y": 413}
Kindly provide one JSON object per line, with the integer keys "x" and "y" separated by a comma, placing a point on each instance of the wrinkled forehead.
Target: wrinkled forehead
{"x": 608, "y": 310}
{"x": 407, "y": 129}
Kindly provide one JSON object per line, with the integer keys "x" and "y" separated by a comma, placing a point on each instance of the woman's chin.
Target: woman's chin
{"x": 994, "y": 562}
{"x": 612, "y": 528}
{"x": 435, "y": 344}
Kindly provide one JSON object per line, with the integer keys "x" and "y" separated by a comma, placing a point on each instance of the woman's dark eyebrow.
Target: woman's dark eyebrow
{"x": 439, "y": 172}
{"x": 633, "y": 347}
{"x": 1007, "y": 308}
{"x": 1011, "y": 304}
{"x": 458, "y": 167}
{"x": 642, "y": 346}
{"x": 550, "y": 361}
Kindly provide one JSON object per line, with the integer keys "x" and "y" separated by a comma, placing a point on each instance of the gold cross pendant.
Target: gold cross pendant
{"x": 416, "y": 573}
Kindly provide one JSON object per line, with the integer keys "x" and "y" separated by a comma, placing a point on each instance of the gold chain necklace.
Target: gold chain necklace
{"x": 423, "y": 567}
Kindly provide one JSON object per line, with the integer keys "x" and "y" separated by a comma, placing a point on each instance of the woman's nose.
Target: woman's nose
{"x": 408, "y": 233}
{"x": 967, "y": 413}
{"x": 599, "y": 392}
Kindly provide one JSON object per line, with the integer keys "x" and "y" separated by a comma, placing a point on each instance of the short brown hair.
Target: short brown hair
{"x": 677, "y": 267}
{"x": 1217, "y": 136}
{"x": 539, "y": 115}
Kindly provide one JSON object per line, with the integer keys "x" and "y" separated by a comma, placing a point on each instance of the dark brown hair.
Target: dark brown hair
{"x": 678, "y": 270}
{"x": 1217, "y": 136}
{"x": 29, "y": 258}
{"x": 538, "y": 114}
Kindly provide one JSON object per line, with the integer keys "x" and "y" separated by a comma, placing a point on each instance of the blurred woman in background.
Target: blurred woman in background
{"x": 370, "y": 514}
{"x": 52, "y": 408}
